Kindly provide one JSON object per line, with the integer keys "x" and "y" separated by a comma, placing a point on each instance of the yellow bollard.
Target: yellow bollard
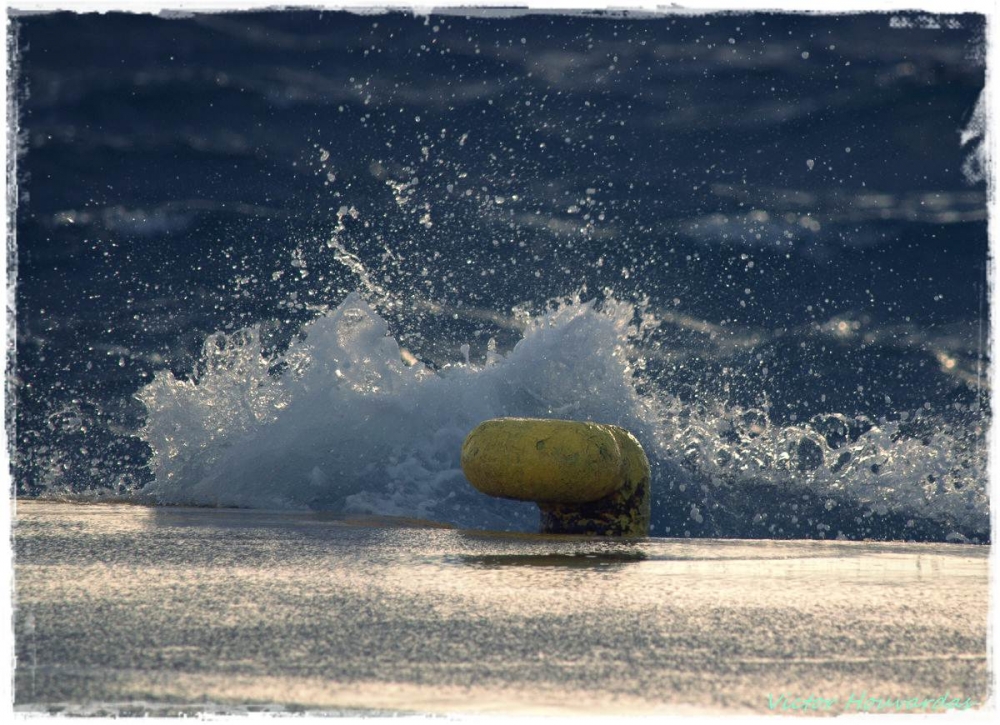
{"x": 586, "y": 478}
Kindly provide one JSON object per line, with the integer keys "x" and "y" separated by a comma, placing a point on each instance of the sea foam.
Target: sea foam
{"x": 340, "y": 422}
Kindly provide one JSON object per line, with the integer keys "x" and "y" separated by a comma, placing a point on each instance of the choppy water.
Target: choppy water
{"x": 291, "y": 259}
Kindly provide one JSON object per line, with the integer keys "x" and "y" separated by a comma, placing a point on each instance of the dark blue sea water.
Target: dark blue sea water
{"x": 283, "y": 259}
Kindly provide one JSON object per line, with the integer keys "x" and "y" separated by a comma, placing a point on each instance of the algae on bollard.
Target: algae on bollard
{"x": 587, "y": 478}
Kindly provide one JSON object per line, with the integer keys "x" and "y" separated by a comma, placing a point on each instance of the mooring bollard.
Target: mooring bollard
{"x": 587, "y": 478}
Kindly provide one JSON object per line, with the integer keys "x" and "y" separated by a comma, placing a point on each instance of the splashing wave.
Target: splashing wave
{"x": 341, "y": 421}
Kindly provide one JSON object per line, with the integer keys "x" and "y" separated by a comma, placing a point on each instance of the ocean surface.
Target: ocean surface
{"x": 288, "y": 260}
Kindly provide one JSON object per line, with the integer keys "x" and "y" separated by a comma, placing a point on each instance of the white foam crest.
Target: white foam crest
{"x": 349, "y": 427}
{"x": 346, "y": 426}
{"x": 937, "y": 477}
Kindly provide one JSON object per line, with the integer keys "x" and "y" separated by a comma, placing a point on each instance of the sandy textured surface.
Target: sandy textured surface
{"x": 130, "y": 609}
